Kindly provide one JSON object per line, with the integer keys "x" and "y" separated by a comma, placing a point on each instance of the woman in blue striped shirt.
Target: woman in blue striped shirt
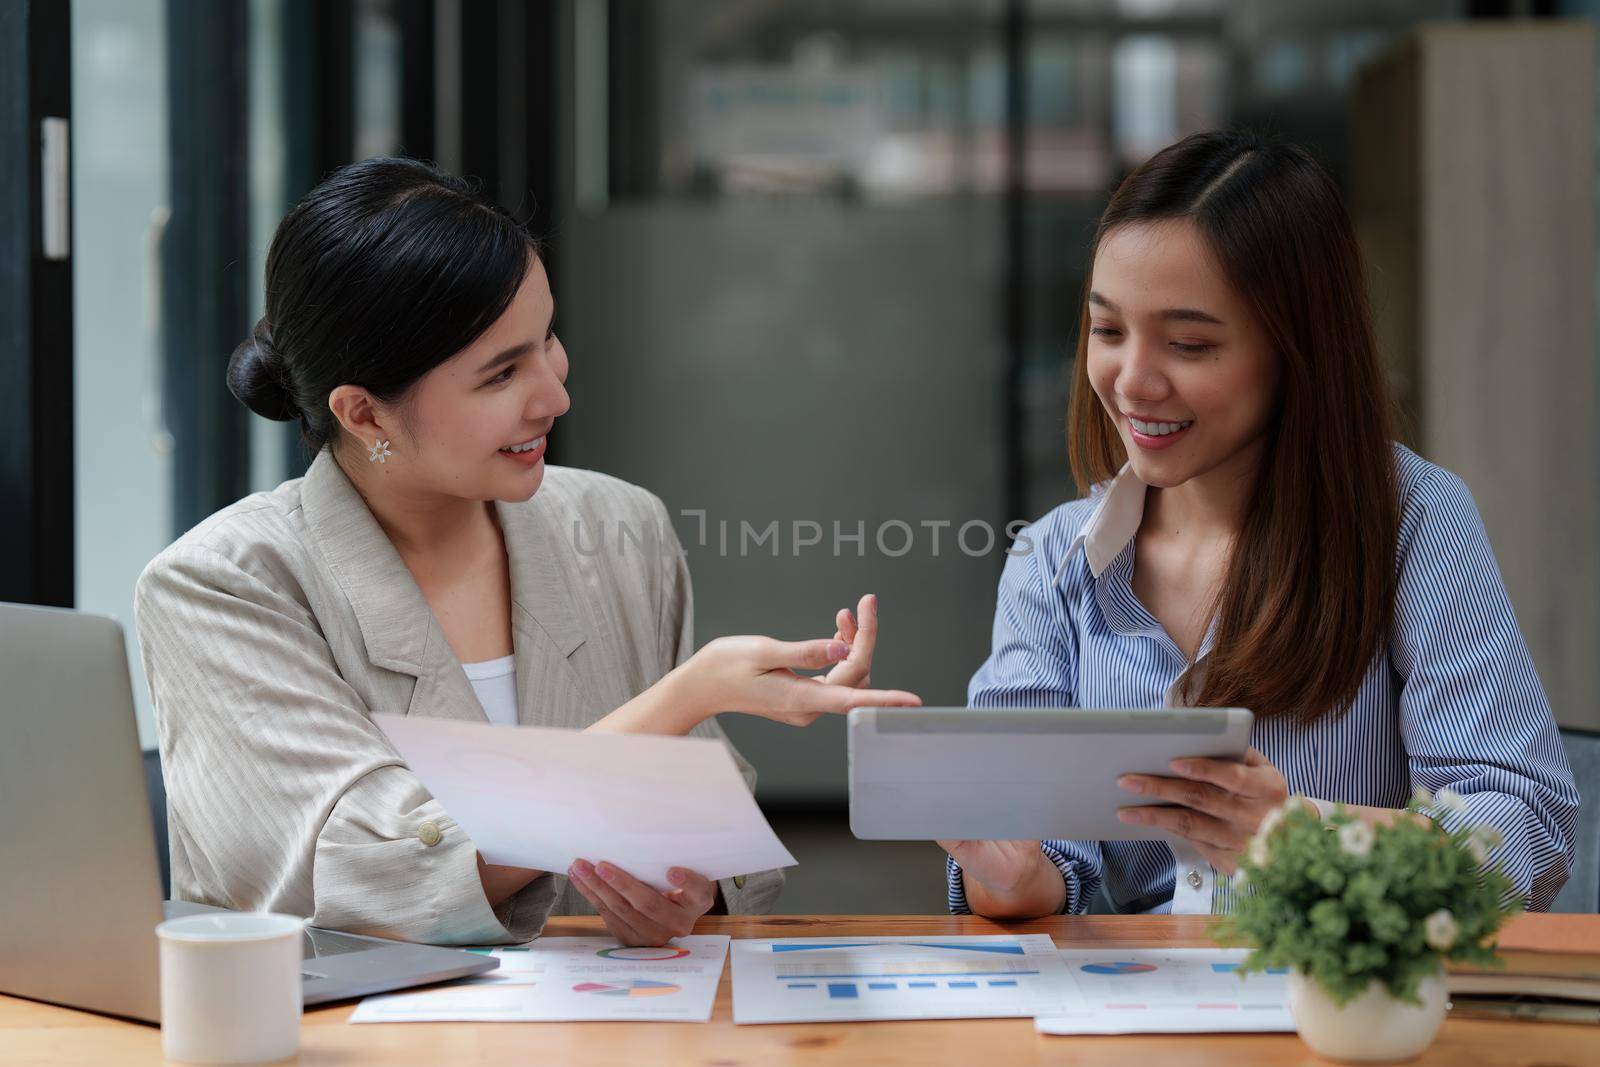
{"x": 1254, "y": 538}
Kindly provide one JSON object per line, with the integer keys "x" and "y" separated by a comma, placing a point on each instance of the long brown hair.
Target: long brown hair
{"x": 1308, "y": 597}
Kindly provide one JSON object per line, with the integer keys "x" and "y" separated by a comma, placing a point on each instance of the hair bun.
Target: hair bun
{"x": 259, "y": 377}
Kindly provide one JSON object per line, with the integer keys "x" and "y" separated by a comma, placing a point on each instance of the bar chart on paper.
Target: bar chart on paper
{"x": 1134, "y": 991}
{"x": 786, "y": 980}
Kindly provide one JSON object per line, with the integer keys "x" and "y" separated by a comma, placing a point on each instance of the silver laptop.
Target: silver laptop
{"x": 1000, "y": 774}
{"x": 80, "y": 889}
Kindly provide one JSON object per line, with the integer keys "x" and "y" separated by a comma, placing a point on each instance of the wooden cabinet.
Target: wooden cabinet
{"x": 1473, "y": 190}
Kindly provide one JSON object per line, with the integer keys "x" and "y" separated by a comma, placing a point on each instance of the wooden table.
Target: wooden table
{"x": 32, "y": 1033}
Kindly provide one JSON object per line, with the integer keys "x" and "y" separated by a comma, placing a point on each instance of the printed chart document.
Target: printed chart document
{"x": 806, "y": 979}
{"x": 1168, "y": 991}
{"x": 571, "y": 979}
{"x": 535, "y": 797}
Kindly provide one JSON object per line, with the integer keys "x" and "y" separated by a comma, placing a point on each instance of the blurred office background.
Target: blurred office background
{"x": 818, "y": 265}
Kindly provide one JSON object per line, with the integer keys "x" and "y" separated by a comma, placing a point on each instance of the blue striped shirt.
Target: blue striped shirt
{"x": 1453, "y": 701}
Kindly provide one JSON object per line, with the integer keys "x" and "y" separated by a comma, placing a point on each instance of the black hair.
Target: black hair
{"x": 381, "y": 273}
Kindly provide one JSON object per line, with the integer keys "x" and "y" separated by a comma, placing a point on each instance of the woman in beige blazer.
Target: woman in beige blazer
{"x": 409, "y": 329}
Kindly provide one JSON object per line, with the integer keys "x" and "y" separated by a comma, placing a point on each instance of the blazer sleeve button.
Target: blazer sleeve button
{"x": 429, "y": 834}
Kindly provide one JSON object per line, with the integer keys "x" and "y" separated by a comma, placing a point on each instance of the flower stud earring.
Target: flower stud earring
{"x": 379, "y": 452}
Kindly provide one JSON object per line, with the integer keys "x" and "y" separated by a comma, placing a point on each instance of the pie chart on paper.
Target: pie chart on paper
{"x": 638, "y": 987}
{"x": 1119, "y": 967}
{"x": 645, "y": 953}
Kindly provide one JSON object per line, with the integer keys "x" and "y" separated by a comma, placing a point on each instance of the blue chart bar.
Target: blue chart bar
{"x": 852, "y": 990}
{"x": 933, "y": 974}
{"x": 1001, "y": 949}
{"x": 1229, "y": 968}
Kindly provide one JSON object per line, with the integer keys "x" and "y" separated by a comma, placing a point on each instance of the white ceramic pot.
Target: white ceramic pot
{"x": 1375, "y": 1027}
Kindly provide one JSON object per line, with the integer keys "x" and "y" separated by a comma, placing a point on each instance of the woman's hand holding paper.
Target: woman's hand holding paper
{"x": 640, "y": 914}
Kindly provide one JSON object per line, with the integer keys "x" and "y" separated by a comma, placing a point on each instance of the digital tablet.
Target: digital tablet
{"x": 923, "y": 774}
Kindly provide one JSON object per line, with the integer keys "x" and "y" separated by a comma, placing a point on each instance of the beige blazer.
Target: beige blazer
{"x": 272, "y": 630}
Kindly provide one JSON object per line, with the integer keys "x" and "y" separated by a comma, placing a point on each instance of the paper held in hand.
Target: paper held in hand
{"x": 541, "y": 798}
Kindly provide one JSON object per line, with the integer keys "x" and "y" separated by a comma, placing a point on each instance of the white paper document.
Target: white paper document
{"x": 571, "y": 979}
{"x": 535, "y": 797}
{"x": 806, "y": 979}
{"x": 1168, "y": 991}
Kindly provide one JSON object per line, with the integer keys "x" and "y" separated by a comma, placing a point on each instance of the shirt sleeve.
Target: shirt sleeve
{"x": 1473, "y": 715}
{"x": 1080, "y": 865}
{"x": 283, "y": 794}
{"x": 1033, "y": 663}
{"x": 746, "y": 894}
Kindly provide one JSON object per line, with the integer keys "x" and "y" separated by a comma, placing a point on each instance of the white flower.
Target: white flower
{"x": 1259, "y": 850}
{"x": 1440, "y": 930}
{"x": 1482, "y": 841}
{"x": 1450, "y": 800}
{"x": 1269, "y": 823}
{"x": 1420, "y": 797}
{"x": 1355, "y": 838}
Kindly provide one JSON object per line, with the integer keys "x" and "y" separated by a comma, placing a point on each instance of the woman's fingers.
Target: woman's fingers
{"x": 867, "y": 611}
{"x": 1185, "y": 822}
{"x": 863, "y": 636}
{"x": 839, "y": 699}
{"x": 763, "y": 669}
{"x": 647, "y": 900}
{"x": 1190, "y": 793}
{"x": 602, "y": 892}
{"x": 863, "y": 639}
{"x": 800, "y": 655}
{"x": 636, "y": 912}
{"x": 619, "y": 927}
{"x": 692, "y": 890}
{"x": 1233, "y": 776}
{"x": 852, "y": 672}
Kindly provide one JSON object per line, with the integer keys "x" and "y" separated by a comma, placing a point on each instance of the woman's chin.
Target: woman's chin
{"x": 1160, "y": 472}
{"x": 521, "y": 489}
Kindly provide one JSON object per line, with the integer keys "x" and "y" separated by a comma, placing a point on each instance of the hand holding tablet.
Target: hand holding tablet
{"x": 1215, "y": 804}
{"x": 1029, "y": 774}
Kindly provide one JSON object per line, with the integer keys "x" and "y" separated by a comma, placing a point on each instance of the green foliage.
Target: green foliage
{"x": 1347, "y": 907}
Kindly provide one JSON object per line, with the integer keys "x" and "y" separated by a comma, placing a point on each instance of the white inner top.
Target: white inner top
{"x": 495, "y": 682}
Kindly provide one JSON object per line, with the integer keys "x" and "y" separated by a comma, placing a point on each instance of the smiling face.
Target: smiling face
{"x": 454, "y": 431}
{"x": 1178, "y": 359}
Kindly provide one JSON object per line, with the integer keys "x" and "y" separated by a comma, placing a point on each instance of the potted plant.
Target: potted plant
{"x": 1365, "y": 918}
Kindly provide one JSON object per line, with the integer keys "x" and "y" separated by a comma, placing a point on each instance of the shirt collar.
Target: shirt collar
{"x": 395, "y": 619}
{"x": 1112, "y": 525}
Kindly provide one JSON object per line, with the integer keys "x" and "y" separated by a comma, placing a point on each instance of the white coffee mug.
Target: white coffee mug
{"x": 230, "y": 987}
